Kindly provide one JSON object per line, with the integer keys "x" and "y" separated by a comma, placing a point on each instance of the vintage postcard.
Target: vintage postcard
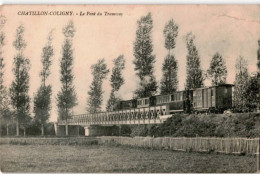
{"x": 129, "y": 88}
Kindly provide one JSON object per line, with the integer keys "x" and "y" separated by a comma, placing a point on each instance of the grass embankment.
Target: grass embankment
{"x": 116, "y": 159}
{"x": 201, "y": 125}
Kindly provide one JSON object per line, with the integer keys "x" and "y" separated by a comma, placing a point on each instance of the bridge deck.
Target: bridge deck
{"x": 148, "y": 115}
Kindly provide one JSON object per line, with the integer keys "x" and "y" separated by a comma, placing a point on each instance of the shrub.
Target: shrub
{"x": 139, "y": 130}
{"x": 213, "y": 125}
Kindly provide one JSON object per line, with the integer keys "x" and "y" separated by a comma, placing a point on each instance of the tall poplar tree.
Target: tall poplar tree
{"x": 258, "y": 58}
{"x": 66, "y": 98}
{"x": 95, "y": 99}
{"x": 194, "y": 76}
{"x": 217, "y": 70}
{"x": 5, "y": 113}
{"x": 20, "y": 99}
{"x": 252, "y": 95}
{"x": 169, "y": 82}
{"x": 42, "y": 100}
{"x": 116, "y": 81}
{"x": 2, "y": 65}
{"x": 258, "y": 71}
{"x": 144, "y": 59}
{"x": 241, "y": 82}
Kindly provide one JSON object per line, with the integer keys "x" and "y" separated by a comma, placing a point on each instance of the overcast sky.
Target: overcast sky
{"x": 229, "y": 30}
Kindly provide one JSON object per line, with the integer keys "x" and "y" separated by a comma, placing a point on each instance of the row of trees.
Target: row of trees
{"x": 144, "y": 60}
{"x": 246, "y": 89}
{"x": 246, "y": 92}
{"x": 18, "y": 96}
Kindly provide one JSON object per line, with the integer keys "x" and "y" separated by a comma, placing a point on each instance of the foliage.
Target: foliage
{"x": 216, "y": 125}
{"x": 241, "y": 83}
{"x": 144, "y": 59}
{"x": 170, "y": 33}
{"x": 139, "y": 130}
{"x": 19, "y": 42}
{"x": 42, "y": 100}
{"x": 20, "y": 99}
{"x": 4, "y": 97}
{"x": 258, "y": 57}
{"x": 116, "y": 81}
{"x": 147, "y": 87}
{"x": 213, "y": 125}
{"x": 20, "y": 86}
{"x": 125, "y": 130}
{"x": 170, "y": 127}
{"x": 169, "y": 82}
{"x": 258, "y": 70}
{"x": 47, "y": 54}
{"x": 42, "y": 104}
{"x": 217, "y": 70}
{"x": 252, "y": 92}
{"x": 193, "y": 127}
{"x": 116, "y": 78}
{"x": 2, "y": 65}
{"x": 99, "y": 72}
{"x": 112, "y": 101}
{"x": 194, "y": 78}
{"x": 66, "y": 98}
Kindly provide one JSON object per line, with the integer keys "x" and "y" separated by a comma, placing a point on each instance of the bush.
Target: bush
{"x": 139, "y": 130}
{"x": 125, "y": 130}
{"x": 213, "y": 125}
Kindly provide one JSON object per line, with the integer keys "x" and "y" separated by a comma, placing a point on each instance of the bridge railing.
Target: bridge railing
{"x": 121, "y": 116}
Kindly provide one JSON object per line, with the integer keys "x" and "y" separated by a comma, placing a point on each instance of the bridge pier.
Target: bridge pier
{"x": 87, "y": 130}
{"x": 98, "y": 130}
{"x": 93, "y": 130}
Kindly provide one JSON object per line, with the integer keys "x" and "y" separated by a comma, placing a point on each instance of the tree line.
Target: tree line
{"x": 15, "y": 101}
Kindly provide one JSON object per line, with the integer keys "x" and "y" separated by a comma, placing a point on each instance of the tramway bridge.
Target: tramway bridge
{"x": 98, "y": 124}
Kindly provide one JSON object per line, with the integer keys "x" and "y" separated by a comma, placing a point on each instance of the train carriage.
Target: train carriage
{"x": 127, "y": 104}
{"x": 175, "y": 101}
{"x": 214, "y": 98}
{"x": 145, "y": 102}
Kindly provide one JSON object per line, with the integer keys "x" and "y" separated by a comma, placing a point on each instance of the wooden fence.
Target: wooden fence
{"x": 198, "y": 144}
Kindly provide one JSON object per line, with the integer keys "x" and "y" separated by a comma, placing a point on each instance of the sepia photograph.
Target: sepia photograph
{"x": 129, "y": 88}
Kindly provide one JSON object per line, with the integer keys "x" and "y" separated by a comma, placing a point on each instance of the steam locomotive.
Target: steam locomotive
{"x": 208, "y": 99}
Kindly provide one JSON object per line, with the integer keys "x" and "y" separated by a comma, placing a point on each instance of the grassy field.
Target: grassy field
{"x": 112, "y": 159}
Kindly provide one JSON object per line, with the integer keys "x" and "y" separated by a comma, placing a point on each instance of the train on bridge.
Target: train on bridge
{"x": 155, "y": 108}
{"x": 208, "y": 99}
